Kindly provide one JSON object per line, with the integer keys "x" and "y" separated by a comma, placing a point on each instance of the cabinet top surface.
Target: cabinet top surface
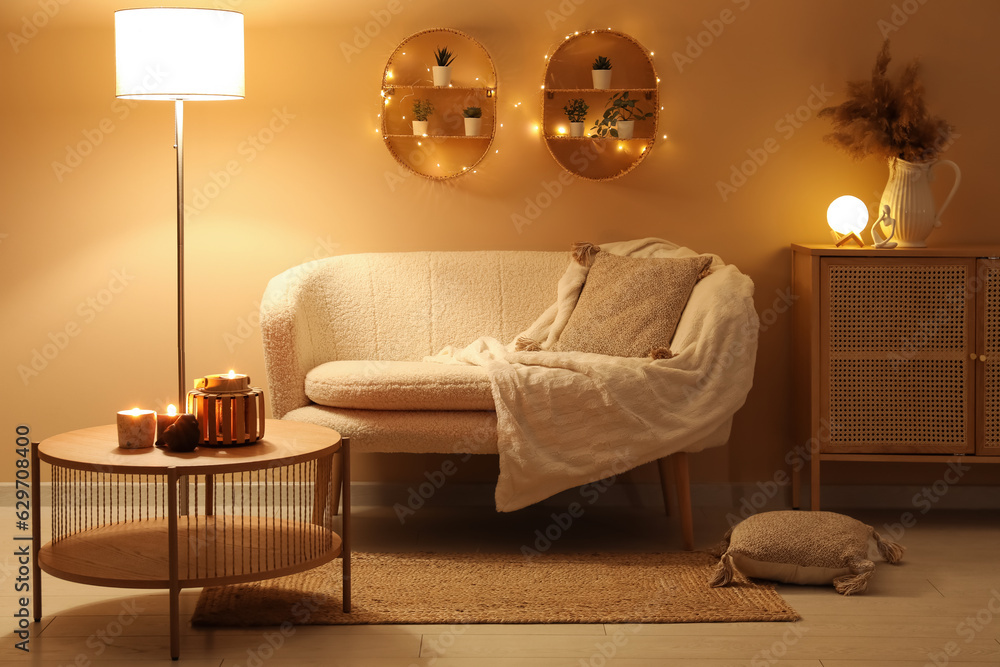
{"x": 96, "y": 448}
{"x": 829, "y": 250}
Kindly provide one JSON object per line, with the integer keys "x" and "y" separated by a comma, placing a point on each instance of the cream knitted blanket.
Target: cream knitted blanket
{"x": 570, "y": 418}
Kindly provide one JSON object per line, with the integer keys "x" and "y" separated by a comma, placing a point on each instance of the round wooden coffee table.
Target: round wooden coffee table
{"x": 150, "y": 518}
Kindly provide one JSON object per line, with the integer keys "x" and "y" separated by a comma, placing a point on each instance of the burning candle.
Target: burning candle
{"x": 136, "y": 428}
{"x": 165, "y": 420}
{"x": 224, "y": 383}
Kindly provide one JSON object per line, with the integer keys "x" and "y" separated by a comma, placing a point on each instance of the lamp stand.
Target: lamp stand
{"x": 179, "y": 145}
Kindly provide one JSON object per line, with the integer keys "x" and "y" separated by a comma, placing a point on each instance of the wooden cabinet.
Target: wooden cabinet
{"x": 895, "y": 355}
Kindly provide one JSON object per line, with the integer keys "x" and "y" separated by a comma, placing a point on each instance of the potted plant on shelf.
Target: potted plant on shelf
{"x": 619, "y": 117}
{"x": 602, "y": 73}
{"x": 576, "y": 109}
{"x": 442, "y": 70}
{"x": 473, "y": 121}
{"x": 422, "y": 109}
{"x": 891, "y": 122}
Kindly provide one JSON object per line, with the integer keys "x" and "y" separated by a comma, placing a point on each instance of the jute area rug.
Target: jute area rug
{"x": 406, "y": 588}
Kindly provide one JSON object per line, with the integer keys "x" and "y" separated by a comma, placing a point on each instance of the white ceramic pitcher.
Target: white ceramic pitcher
{"x": 908, "y": 194}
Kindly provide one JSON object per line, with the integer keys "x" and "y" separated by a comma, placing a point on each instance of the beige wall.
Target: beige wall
{"x": 103, "y": 232}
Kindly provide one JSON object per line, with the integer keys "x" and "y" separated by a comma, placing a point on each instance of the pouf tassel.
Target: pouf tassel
{"x": 723, "y": 573}
{"x": 890, "y": 551}
{"x": 857, "y": 581}
{"x": 661, "y": 353}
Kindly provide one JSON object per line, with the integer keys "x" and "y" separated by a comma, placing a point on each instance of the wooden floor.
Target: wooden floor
{"x": 940, "y": 607}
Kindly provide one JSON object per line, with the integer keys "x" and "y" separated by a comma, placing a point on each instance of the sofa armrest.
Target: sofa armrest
{"x": 285, "y": 331}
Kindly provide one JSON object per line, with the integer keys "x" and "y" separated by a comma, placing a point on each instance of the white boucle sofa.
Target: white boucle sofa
{"x": 344, "y": 338}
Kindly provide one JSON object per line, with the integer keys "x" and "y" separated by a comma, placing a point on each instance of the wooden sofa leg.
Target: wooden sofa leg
{"x": 337, "y": 481}
{"x": 668, "y": 498}
{"x": 682, "y": 481}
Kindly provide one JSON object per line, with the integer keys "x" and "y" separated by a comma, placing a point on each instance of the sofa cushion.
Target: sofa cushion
{"x": 630, "y": 306}
{"x": 399, "y": 385}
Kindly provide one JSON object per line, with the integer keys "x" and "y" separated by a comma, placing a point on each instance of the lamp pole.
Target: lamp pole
{"x": 179, "y": 145}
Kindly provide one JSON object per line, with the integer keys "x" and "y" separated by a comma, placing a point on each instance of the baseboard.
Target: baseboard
{"x": 744, "y": 498}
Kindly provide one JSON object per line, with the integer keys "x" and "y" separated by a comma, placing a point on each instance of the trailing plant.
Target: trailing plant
{"x": 422, "y": 109}
{"x": 576, "y": 109}
{"x": 472, "y": 112}
{"x": 888, "y": 120}
{"x": 443, "y": 57}
{"x": 619, "y": 107}
{"x": 602, "y": 62}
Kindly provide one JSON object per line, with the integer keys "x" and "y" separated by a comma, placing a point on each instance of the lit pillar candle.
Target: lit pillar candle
{"x": 165, "y": 420}
{"x": 136, "y": 428}
{"x": 230, "y": 382}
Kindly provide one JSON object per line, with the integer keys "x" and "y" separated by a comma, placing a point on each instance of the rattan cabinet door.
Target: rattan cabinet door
{"x": 988, "y": 357}
{"x": 896, "y": 336}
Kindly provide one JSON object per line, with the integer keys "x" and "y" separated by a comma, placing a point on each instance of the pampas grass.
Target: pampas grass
{"x": 888, "y": 120}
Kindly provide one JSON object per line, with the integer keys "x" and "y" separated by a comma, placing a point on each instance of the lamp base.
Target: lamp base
{"x": 841, "y": 241}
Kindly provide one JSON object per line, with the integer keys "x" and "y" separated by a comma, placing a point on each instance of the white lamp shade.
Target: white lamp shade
{"x": 170, "y": 53}
{"x": 847, "y": 215}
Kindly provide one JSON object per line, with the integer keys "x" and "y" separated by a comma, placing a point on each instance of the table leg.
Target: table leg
{"x": 345, "y": 446}
{"x": 175, "y": 624}
{"x": 36, "y": 531}
{"x": 324, "y": 471}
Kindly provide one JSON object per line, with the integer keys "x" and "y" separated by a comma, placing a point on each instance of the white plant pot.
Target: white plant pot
{"x": 625, "y": 129}
{"x": 576, "y": 128}
{"x": 911, "y": 203}
{"x": 473, "y": 127}
{"x": 602, "y": 79}
{"x": 442, "y": 75}
{"x": 420, "y": 126}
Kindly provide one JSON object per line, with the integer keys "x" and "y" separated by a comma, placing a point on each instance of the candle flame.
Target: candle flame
{"x": 134, "y": 412}
{"x": 232, "y": 374}
{"x": 172, "y": 410}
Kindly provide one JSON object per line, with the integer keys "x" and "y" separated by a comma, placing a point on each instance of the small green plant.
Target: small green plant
{"x": 576, "y": 109}
{"x": 602, "y": 62}
{"x": 472, "y": 112}
{"x": 619, "y": 107}
{"x": 422, "y": 109}
{"x": 443, "y": 57}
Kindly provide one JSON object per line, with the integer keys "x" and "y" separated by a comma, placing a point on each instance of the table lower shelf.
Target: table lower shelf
{"x": 212, "y": 550}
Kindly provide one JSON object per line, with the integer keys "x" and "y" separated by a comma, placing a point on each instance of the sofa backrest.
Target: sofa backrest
{"x": 404, "y": 306}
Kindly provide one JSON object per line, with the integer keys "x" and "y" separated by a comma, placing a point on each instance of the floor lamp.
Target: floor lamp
{"x": 177, "y": 54}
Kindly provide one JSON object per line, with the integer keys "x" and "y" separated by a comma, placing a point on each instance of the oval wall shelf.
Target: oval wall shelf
{"x": 445, "y": 150}
{"x": 568, "y": 76}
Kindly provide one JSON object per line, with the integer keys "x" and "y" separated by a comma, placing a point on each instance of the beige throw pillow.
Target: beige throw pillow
{"x": 630, "y": 306}
{"x": 799, "y": 547}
